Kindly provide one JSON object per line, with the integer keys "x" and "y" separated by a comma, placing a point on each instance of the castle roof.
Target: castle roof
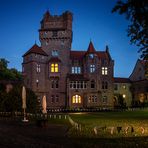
{"x": 80, "y": 54}
{"x": 91, "y": 48}
{"x": 35, "y": 49}
{"x": 77, "y": 54}
{"x": 121, "y": 80}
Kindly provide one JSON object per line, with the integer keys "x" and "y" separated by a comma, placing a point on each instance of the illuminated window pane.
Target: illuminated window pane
{"x": 76, "y": 70}
{"x": 79, "y": 100}
{"x": 54, "y": 67}
{"x": 76, "y": 99}
{"x": 73, "y": 99}
{"x": 104, "y": 71}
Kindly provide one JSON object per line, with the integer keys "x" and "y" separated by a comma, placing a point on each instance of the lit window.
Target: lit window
{"x": 92, "y": 68}
{"x": 55, "y": 53}
{"x": 38, "y": 68}
{"x": 76, "y": 99}
{"x": 54, "y": 67}
{"x": 124, "y": 96}
{"x": 76, "y": 70}
{"x": 104, "y": 71}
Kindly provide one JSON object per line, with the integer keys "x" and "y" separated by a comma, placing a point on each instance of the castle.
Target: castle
{"x": 68, "y": 78}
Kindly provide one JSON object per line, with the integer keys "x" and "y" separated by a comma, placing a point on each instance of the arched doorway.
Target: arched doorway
{"x": 76, "y": 99}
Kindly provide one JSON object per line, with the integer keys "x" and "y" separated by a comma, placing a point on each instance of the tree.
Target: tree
{"x": 12, "y": 101}
{"x": 137, "y": 12}
{"x": 8, "y": 74}
{"x": 3, "y": 63}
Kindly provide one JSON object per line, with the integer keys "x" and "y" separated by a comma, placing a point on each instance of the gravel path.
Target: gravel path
{"x": 28, "y": 135}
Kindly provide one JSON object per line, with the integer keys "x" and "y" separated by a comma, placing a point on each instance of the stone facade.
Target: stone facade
{"x": 69, "y": 79}
{"x": 122, "y": 86}
{"x": 139, "y": 82}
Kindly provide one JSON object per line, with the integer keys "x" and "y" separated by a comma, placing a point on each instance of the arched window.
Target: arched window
{"x": 54, "y": 67}
{"x": 76, "y": 99}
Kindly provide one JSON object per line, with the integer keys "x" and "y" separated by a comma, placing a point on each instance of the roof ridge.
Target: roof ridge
{"x": 35, "y": 49}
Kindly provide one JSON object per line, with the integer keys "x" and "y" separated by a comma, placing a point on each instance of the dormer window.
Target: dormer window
{"x": 91, "y": 56}
{"x": 55, "y": 53}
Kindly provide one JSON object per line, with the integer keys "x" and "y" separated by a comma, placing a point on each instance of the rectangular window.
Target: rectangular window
{"x": 92, "y": 99}
{"x": 77, "y": 85}
{"x": 104, "y": 71}
{"x": 52, "y": 98}
{"x": 92, "y": 68}
{"x": 57, "y": 98}
{"x": 76, "y": 70}
{"x": 38, "y": 68}
{"x": 55, "y": 53}
{"x": 54, "y": 67}
{"x": 56, "y": 84}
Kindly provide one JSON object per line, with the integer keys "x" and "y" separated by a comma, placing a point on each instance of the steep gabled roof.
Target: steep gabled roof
{"x": 91, "y": 48}
{"x": 102, "y": 55}
{"x": 80, "y": 54}
{"x": 77, "y": 54}
{"x": 121, "y": 80}
{"x": 35, "y": 49}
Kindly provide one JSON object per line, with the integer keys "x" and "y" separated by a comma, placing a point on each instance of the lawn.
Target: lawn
{"x": 105, "y": 124}
{"x": 59, "y": 133}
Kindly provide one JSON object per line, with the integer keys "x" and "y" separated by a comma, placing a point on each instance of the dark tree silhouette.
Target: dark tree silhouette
{"x": 137, "y": 12}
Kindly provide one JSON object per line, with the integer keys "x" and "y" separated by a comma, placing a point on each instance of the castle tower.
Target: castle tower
{"x": 56, "y": 34}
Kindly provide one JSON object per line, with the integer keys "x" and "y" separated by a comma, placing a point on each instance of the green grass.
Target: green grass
{"x": 88, "y": 121}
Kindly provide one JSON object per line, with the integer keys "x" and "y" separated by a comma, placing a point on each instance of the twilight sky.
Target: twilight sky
{"x": 92, "y": 19}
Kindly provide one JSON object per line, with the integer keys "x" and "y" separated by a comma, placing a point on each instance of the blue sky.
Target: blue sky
{"x": 92, "y": 19}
